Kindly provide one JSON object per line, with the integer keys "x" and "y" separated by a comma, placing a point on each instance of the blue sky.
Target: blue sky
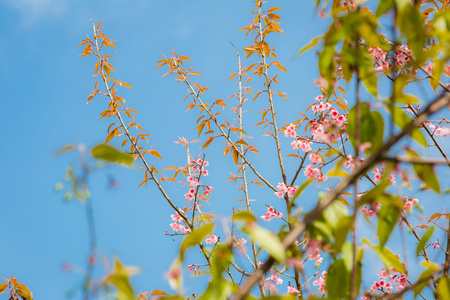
{"x": 44, "y": 87}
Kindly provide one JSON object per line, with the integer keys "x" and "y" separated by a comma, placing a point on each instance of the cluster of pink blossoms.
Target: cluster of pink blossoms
{"x": 212, "y": 239}
{"x": 371, "y": 210}
{"x": 271, "y": 214}
{"x": 177, "y": 225}
{"x": 315, "y": 255}
{"x": 292, "y": 291}
{"x": 314, "y": 173}
{"x": 239, "y": 242}
{"x": 439, "y": 130}
{"x": 379, "y": 56}
{"x": 321, "y": 282}
{"x": 378, "y": 175}
{"x": 305, "y": 145}
{"x": 409, "y": 204}
{"x": 435, "y": 245}
{"x": 282, "y": 189}
{"x": 198, "y": 169}
{"x": 290, "y": 131}
{"x": 384, "y": 286}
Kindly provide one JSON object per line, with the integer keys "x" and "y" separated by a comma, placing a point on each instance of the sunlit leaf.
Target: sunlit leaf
{"x": 111, "y": 154}
{"x": 195, "y": 237}
{"x": 266, "y": 240}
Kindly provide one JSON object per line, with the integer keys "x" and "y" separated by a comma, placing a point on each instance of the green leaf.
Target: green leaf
{"x": 384, "y": 6}
{"x": 401, "y": 119}
{"x": 373, "y": 194}
{"x": 341, "y": 232}
{"x": 111, "y": 154}
{"x": 426, "y": 174}
{"x": 338, "y": 280}
{"x": 219, "y": 287}
{"x": 411, "y": 24}
{"x": 387, "y": 217}
{"x": 244, "y": 216}
{"x": 310, "y": 45}
{"x": 431, "y": 269}
{"x": 347, "y": 253}
{"x": 371, "y": 126}
{"x": 443, "y": 288}
{"x": 301, "y": 189}
{"x": 334, "y": 213}
{"x": 120, "y": 279}
{"x": 194, "y": 238}
{"x": 424, "y": 240}
{"x": 388, "y": 258}
{"x": 266, "y": 240}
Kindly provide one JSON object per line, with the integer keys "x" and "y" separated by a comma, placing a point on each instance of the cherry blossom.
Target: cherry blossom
{"x": 271, "y": 214}
{"x": 321, "y": 282}
{"x": 292, "y": 291}
{"x": 302, "y": 144}
{"x": 290, "y": 131}
{"x": 212, "y": 239}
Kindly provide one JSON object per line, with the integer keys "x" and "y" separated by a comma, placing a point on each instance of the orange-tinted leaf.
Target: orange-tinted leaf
{"x": 195, "y": 73}
{"x": 232, "y": 75}
{"x": 434, "y": 216}
{"x": 344, "y": 201}
{"x": 3, "y": 287}
{"x": 341, "y": 89}
{"x": 126, "y": 85}
{"x": 273, "y": 9}
{"x": 236, "y": 157}
{"x": 208, "y": 141}
{"x": 106, "y": 69}
{"x": 155, "y": 153}
{"x": 241, "y": 141}
{"x": 158, "y": 292}
{"x": 23, "y": 291}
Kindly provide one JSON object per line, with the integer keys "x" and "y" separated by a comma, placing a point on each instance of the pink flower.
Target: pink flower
{"x": 276, "y": 278}
{"x": 190, "y": 268}
{"x": 205, "y": 173}
{"x": 212, "y": 239}
{"x": 311, "y": 172}
{"x": 290, "y": 131}
{"x": 205, "y": 163}
{"x": 341, "y": 119}
{"x": 383, "y": 273}
{"x": 279, "y": 194}
{"x": 271, "y": 214}
{"x": 282, "y": 187}
{"x": 364, "y": 146}
{"x": 239, "y": 242}
{"x": 391, "y": 179}
{"x": 435, "y": 245}
{"x": 291, "y": 190}
{"x": 315, "y": 158}
{"x": 292, "y": 291}
{"x": 176, "y": 218}
{"x": 189, "y": 196}
{"x": 208, "y": 190}
{"x": 350, "y": 163}
{"x": 334, "y": 113}
{"x": 321, "y": 282}
{"x": 321, "y": 178}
